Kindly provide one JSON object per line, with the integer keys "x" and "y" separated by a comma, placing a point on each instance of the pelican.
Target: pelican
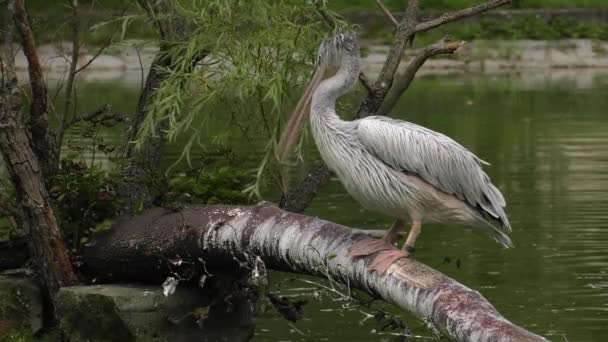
{"x": 394, "y": 167}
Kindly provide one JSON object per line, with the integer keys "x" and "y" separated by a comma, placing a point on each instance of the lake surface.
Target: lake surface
{"x": 546, "y": 136}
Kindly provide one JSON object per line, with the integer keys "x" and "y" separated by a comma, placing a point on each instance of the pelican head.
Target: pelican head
{"x": 330, "y": 55}
{"x": 332, "y": 51}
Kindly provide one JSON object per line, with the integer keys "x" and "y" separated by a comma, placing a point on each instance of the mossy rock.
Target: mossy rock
{"x": 20, "y": 304}
{"x": 141, "y": 313}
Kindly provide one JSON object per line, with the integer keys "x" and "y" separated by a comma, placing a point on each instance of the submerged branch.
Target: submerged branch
{"x": 221, "y": 238}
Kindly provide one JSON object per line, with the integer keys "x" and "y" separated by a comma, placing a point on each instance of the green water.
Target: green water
{"x": 546, "y": 137}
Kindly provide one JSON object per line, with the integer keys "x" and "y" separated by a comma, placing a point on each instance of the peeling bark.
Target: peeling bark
{"x": 215, "y": 238}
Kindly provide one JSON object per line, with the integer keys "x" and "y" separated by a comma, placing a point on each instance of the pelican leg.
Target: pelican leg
{"x": 410, "y": 242}
{"x": 392, "y": 235}
{"x": 385, "y": 251}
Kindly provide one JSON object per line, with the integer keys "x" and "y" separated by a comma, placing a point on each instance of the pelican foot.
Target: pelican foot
{"x": 369, "y": 246}
{"x": 383, "y": 260}
{"x": 384, "y": 253}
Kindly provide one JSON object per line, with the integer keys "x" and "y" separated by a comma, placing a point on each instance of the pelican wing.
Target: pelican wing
{"x": 435, "y": 158}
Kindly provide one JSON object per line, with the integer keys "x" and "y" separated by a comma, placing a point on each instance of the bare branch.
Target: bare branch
{"x": 39, "y": 124}
{"x": 365, "y": 83}
{"x": 102, "y": 113}
{"x": 298, "y": 198}
{"x": 97, "y": 54}
{"x": 404, "y": 32}
{"x": 102, "y": 48}
{"x": 444, "y": 46}
{"x": 461, "y": 14}
{"x": 39, "y": 91}
{"x": 69, "y": 87}
{"x": 387, "y": 12}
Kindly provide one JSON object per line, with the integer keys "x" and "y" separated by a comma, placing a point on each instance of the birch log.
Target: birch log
{"x": 145, "y": 247}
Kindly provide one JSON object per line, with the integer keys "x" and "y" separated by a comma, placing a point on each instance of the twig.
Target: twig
{"x": 387, "y": 12}
{"x": 457, "y": 15}
{"x": 105, "y": 109}
{"x": 102, "y": 48}
{"x": 69, "y": 88}
{"x": 444, "y": 46}
{"x": 97, "y": 54}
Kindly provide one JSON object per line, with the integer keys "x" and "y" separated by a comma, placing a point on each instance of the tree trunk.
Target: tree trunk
{"x": 47, "y": 245}
{"x": 220, "y": 238}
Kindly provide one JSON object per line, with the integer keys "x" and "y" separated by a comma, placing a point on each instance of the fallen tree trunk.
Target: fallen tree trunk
{"x": 149, "y": 246}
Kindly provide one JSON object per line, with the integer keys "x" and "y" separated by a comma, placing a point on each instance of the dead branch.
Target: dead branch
{"x": 458, "y": 15}
{"x": 297, "y": 199}
{"x": 404, "y": 32}
{"x": 388, "y": 13}
{"x": 444, "y": 46}
{"x": 69, "y": 86}
{"x": 223, "y": 238}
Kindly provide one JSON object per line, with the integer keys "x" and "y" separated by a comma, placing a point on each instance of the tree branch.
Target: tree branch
{"x": 222, "y": 238}
{"x": 404, "y": 32}
{"x": 444, "y": 46}
{"x": 39, "y": 108}
{"x": 299, "y": 197}
{"x": 69, "y": 87}
{"x": 388, "y": 13}
{"x": 457, "y": 15}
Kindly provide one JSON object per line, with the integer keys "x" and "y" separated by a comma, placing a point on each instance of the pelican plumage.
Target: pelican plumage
{"x": 398, "y": 168}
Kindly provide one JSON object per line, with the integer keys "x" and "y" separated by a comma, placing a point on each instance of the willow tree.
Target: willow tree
{"x": 240, "y": 64}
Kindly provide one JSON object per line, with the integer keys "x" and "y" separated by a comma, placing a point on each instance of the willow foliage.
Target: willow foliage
{"x": 256, "y": 56}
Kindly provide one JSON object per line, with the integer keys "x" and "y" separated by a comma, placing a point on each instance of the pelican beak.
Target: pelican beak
{"x": 296, "y": 120}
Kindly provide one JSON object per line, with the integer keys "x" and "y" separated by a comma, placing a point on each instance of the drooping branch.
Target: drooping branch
{"x": 444, "y": 46}
{"x": 460, "y": 14}
{"x": 218, "y": 238}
